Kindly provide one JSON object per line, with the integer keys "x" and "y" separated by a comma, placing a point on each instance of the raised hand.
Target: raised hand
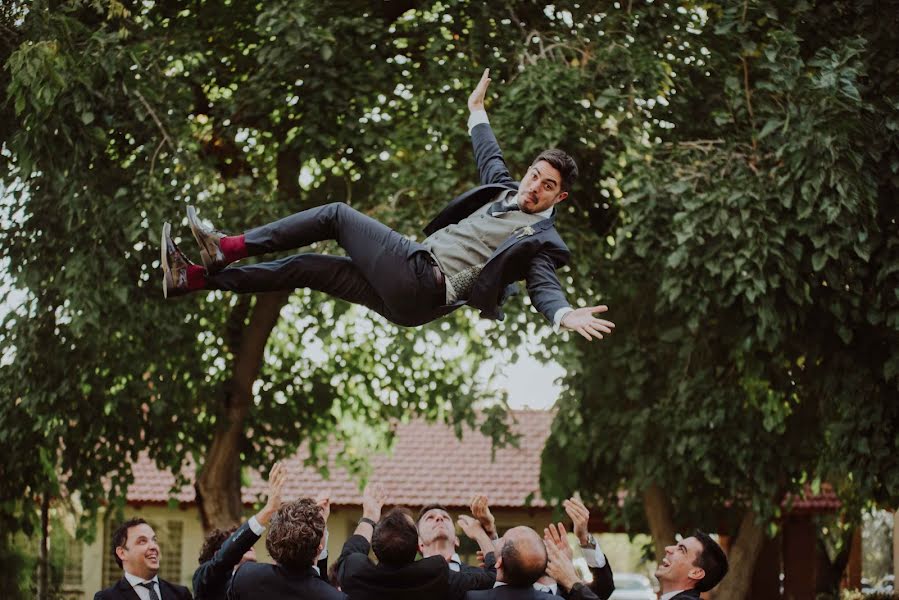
{"x": 373, "y": 499}
{"x": 580, "y": 518}
{"x": 481, "y": 511}
{"x": 476, "y": 99}
{"x": 557, "y": 536}
{"x": 560, "y": 567}
{"x": 582, "y": 321}
{"x": 470, "y": 526}
{"x": 277, "y": 478}
{"x": 324, "y": 502}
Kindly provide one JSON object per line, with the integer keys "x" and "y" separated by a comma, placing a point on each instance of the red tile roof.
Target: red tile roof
{"x": 825, "y": 500}
{"x": 427, "y": 464}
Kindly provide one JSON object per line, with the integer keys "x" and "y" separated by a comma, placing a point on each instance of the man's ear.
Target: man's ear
{"x": 457, "y": 542}
{"x": 561, "y": 196}
{"x": 120, "y": 552}
{"x": 696, "y": 574}
{"x": 421, "y": 547}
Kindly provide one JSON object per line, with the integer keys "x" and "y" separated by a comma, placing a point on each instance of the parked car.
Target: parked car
{"x": 632, "y": 586}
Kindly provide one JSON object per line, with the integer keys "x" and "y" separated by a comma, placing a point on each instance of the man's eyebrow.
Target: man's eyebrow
{"x": 682, "y": 548}
{"x": 548, "y": 179}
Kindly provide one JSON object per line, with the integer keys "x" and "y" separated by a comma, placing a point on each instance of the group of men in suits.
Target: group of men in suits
{"x": 519, "y": 565}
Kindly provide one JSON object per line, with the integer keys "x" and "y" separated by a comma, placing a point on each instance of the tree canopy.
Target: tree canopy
{"x": 736, "y": 209}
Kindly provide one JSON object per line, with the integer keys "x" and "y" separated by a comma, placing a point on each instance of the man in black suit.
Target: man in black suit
{"x": 478, "y": 247}
{"x": 693, "y": 565}
{"x": 521, "y": 563}
{"x": 136, "y": 551}
{"x": 295, "y": 539}
{"x": 224, "y": 549}
{"x": 437, "y": 533}
{"x": 398, "y": 576}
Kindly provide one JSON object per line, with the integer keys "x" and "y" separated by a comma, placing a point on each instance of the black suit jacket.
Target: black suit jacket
{"x": 211, "y": 578}
{"x": 687, "y": 595}
{"x": 122, "y": 590}
{"x": 530, "y": 255}
{"x": 428, "y": 578}
{"x": 274, "y": 582}
{"x": 508, "y": 592}
{"x": 602, "y": 585}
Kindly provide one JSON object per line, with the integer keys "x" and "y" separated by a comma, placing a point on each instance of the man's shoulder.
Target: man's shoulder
{"x": 112, "y": 592}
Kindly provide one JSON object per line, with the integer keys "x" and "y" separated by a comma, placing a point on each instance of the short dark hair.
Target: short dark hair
{"x": 428, "y": 507}
{"x": 120, "y": 536}
{"x": 517, "y": 571}
{"x": 295, "y": 533}
{"x": 395, "y": 539}
{"x": 563, "y": 163}
{"x": 712, "y": 560}
{"x": 213, "y": 541}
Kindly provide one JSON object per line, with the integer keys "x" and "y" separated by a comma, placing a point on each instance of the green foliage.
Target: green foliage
{"x": 754, "y": 270}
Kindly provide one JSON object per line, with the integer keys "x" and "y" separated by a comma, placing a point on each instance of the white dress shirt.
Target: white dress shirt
{"x": 142, "y": 592}
{"x": 476, "y": 118}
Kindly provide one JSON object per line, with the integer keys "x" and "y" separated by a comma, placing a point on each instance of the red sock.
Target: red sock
{"x": 196, "y": 277}
{"x": 233, "y": 247}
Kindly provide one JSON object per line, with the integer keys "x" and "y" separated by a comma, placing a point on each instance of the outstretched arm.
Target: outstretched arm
{"x": 491, "y": 165}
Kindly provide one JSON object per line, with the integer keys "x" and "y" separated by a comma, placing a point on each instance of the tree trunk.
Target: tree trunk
{"x": 742, "y": 558}
{"x": 658, "y": 513}
{"x": 43, "y": 565}
{"x": 218, "y": 483}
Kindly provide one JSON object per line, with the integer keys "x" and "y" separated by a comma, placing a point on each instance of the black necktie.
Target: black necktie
{"x": 149, "y": 585}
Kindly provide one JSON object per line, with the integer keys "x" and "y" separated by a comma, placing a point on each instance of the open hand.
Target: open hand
{"x": 557, "y": 536}
{"x": 476, "y": 99}
{"x": 481, "y": 511}
{"x": 373, "y": 499}
{"x": 582, "y": 321}
{"x": 580, "y": 518}
{"x": 560, "y": 567}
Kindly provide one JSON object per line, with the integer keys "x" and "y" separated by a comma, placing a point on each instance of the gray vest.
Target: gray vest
{"x": 461, "y": 250}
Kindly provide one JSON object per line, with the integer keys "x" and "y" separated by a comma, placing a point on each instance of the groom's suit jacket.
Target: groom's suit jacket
{"x": 532, "y": 255}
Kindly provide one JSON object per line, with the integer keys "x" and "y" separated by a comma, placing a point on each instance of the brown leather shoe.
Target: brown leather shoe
{"x": 174, "y": 265}
{"x": 209, "y": 241}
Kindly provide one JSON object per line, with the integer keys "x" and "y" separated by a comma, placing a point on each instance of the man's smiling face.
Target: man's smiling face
{"x": 677, "y": 571}
{"x": 140, "y": 553}
{"x": 541, "y": 188}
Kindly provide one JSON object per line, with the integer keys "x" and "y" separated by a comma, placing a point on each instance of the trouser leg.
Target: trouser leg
{"x": 395, "y": 267}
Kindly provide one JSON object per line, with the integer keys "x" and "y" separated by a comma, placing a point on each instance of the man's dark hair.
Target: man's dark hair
{"x": 395, "y": 539}
{"x": 294, "y": 534}
{"x": 712, "y": 560}
{"x": 120, "y": 536}
{"x": 516, "y": 570}
{"x": 426, "y": 508}
{"x": 563, "y": 163}
{"x": 213, "y": 541}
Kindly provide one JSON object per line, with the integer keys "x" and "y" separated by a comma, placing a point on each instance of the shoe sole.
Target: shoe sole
{"x": 164, "y": 259}
{"x": 205, "y": 258}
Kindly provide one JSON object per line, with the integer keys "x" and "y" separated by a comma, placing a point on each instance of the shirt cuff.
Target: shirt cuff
{"x": 476, "y": 118}
{"x": 324, "y": 553}
{"x": 255, "y": 526}
{"x": 557, "y": 318}
{"x": 595, "y": 559}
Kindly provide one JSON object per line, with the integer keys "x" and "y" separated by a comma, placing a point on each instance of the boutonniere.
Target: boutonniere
{"x": 527, "y": 230}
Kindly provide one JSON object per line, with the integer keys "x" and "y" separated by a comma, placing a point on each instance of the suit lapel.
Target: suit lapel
{"x": 124, "y": 588}
{"x": 523, "y": 233}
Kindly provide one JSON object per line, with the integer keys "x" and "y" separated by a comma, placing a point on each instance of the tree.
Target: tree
{"x": 122, "y": 113}
{"x": 752, "y": 265}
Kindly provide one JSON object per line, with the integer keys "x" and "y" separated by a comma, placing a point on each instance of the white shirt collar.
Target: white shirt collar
{"x": 134, "y": 580}
{"x": 551, "y": 588}
{"x": 670, "y": 595}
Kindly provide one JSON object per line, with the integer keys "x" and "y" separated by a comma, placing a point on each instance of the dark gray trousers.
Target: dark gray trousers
{"x": 383, "y": 270}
